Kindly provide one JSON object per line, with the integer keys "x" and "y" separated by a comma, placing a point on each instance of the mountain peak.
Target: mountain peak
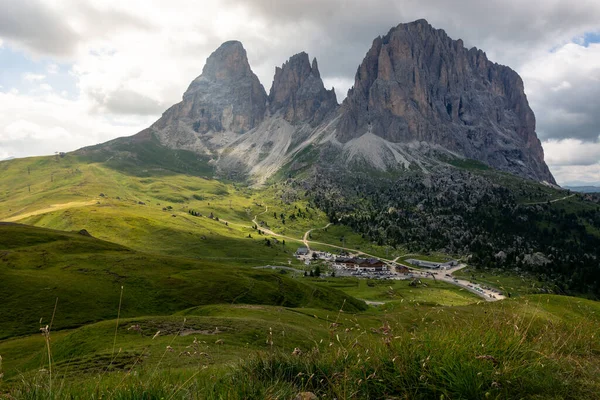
{"x": 315, "y": 68}
{"x": 299, "y": 93}
{"x": 416, "y": 84}
{"x": 227, "y": 97}
{"x": 229, "y": 61}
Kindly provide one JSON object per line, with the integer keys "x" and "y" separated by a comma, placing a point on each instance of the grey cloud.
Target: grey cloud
{"x": 101, "y": 22}
{"x": 341, "y": 27}
{"x": 37, "y": 27}
{"x": 340, "y": 32}
{"x": 125, "y": 101}
{"x": 570, "y": 112}
{"x": 41, "y": 29}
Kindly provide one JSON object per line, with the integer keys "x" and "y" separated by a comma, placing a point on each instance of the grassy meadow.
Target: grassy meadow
{"x": 159, "y": 299}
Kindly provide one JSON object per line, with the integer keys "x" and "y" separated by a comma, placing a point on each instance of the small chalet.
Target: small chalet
{"x": 360, "y": 264}
{"x": 302, "y": 251}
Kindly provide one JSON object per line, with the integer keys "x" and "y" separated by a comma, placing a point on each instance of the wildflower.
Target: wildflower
{"x": 297, "y": 352}
{"x": 45, "y": 331}
{"x": 156, "y": 335}
{"x": 170, "y": 349}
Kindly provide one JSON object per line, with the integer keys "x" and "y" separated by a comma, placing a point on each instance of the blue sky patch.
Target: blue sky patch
{"x": 591, "y": 37}
{"x": 15, "y": 65}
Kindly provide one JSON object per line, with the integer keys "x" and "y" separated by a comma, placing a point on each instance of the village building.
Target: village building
{"x": 302, "y": 251}
{"x": 360, "y": 264}
{"x": 401, "y": 269}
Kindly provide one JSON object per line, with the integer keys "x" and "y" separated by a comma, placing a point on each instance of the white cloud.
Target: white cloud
{"x": 567, "y": 152}
{"x": 52, "y": 69}
{"x": 564, "y": 87}
{"x": 44, "y": 123}
{"x": 579, "y": 175}
{"x": 341, "y": 85}
{"x": 31, "y": 77}
{"x": 573, "y": 162}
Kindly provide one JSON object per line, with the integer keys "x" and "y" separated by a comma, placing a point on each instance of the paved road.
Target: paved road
{"x": 446, "y": 276}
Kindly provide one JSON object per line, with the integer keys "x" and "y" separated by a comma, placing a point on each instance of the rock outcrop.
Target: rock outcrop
{"x": 227, "y": 96}
{"x": 299, "y": 93}
{"x": 417, "y": 85}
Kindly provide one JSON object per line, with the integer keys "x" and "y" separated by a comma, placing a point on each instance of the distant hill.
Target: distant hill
{"x": 584, "y": 189}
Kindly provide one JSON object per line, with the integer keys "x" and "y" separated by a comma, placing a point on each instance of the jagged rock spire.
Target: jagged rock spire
{"x": 298, "y": 91}
{"x": 227, "y": 96}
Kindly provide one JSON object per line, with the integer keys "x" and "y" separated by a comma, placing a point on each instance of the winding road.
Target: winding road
{"x": 550, "y": 201}
{"x": 307, "y": 234}
{"x": 486, "y": 294}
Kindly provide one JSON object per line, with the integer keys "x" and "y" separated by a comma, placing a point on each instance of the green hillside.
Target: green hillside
{"x": 39, "y": 266}
{"x": 534, "y": 347}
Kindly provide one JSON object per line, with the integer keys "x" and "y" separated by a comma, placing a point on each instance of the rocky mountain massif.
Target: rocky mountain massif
{"x": 419, "y": 99}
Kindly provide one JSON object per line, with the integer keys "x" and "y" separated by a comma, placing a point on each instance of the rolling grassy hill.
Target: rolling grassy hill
{"x": 39, "y": 266}
{"x": 152, "y": 214}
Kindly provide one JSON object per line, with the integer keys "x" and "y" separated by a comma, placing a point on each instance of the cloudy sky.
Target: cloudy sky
{"x": 80, "y": 72}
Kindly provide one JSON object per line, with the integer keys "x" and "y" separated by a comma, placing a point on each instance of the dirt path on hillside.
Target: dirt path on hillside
{"x": 550, "y": 201}
{"x": 307, "y": 234}
{"x": 53, "y": 207}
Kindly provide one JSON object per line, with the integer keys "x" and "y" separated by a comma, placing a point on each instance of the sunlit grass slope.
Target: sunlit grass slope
{"x": 37, "y": 266}
{"x": 540, "y": 347}
{"x": 168, "y": 213}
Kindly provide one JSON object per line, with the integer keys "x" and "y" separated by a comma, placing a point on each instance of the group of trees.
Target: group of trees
{"x": 314, "y": 273}
{"x": 466, "y": 214}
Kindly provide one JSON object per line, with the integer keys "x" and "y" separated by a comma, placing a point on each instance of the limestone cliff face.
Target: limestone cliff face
{"x": 299, "y": 93}
{"x": 417, "y": 84}
{"x": 227, "y": 96}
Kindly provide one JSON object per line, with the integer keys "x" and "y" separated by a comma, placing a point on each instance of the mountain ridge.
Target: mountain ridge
{"x": 419, "y": 98}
